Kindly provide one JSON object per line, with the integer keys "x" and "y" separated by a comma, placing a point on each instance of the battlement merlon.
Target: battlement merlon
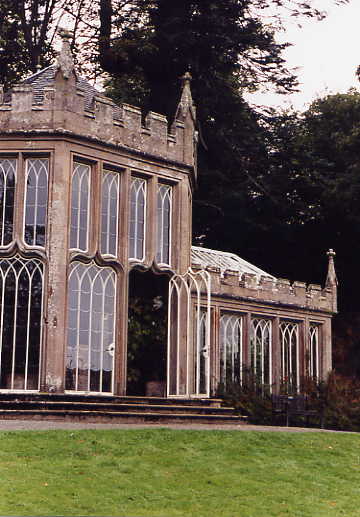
{"x": 63, "y": 107}
{"x": 278, "y": 291}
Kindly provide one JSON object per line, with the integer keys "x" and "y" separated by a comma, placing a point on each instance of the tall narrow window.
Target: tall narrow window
{"x": 21, "y": 288}
{"x": 260, "y": 350}
{"x": 91, "y": 328}
{"x": 313, "y": 351}
{"x": 163, "y": 224}
{"x": 137, "y": 218}
{"x": 289, "y": 336}
{"x": 230, "y": 349}
{"x": 80, "y": 197}
{"x": 109, "y": 212}
{"x": 7, "y": 199}
{"x": 37, "y": 172}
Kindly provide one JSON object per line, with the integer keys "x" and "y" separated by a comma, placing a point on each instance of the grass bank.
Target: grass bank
{"x": 161, "y": 472}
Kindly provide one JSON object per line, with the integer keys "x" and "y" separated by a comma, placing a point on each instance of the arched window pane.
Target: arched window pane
{"x": 137, "y": 218}
{"x": 21, "y": 307}
{"x": 7, "y": 199}
{"x": 91, "y": 328}
{"x": 109, "y": 213}
{"x": 289, "y": 338}
{"x": 80, "y": 197}
{"x": 260, "y": 350}
{"x": 37, "y": 172}
{"x": 313, "y": 352}
{"x": 231, "y": 349}
{"x": 164, "y": 198}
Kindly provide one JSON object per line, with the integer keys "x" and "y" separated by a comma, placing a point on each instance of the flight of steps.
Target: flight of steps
{"x": 108, "y": 409}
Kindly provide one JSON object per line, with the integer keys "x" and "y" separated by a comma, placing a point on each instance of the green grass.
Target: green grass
{"x": 161, "y": 472}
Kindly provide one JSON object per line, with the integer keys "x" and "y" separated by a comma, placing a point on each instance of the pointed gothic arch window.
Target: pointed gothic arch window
{"x": 21, "y": 308}
{"x": 80, "y": 207}
{"x": 164, "y": 205}
{"x": 289, "y": 338}
{"x": 109, "y": 212}
{"x": 7, "y": 199}
{"x": 137, "y": 218}
{"x": 260, "y": 350}
{"x": 313, "y": 351}
{"x": 231, "y": 350}
{"x": 36, "y": 198}
{"x": 91, "y": 328}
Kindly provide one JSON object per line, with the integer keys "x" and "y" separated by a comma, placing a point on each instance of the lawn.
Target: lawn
{"x": 162, "y": 472}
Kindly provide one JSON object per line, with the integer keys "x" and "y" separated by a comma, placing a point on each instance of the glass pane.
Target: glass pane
{"x": 80, "y": 197}
{"x": 7, "y": 199}
{"x": 137, "y": 218}
{"x": 163, "y": 224}
{"x": 36, "y": 201}
{"x": 230, "y": 349}
{"x": 109, "y": 213}
{"x": 260, "y": 351}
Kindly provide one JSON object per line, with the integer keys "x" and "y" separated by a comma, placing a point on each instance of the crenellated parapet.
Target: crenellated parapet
{"x": 277, "y": 291}
{"x": 58, "y": 101}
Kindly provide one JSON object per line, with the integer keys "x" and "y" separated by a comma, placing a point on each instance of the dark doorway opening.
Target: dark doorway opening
{"x": 147, "y": 334}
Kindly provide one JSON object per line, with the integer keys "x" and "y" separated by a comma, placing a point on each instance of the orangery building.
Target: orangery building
{"x": 101, "y": 291}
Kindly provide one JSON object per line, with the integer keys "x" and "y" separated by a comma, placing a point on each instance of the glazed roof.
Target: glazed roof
{"x": 224, "y": 260}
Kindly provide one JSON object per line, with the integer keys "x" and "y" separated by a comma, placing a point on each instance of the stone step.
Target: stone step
{"x": 59, "y": 405}
{"x": 82, "y": 397}
{"x": 119, "y": 417}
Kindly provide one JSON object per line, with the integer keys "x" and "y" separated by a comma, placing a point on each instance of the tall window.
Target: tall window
{"x": 137, "y": 218}
{"x": 80, "y": 210}
{"x": 109, "y": 212}
{"x": 289, "y": 337}
{"x": 164, "y": 195}
{"x": 91, "y": 328}
{"x": 37, "y": 172}
{"x": 230, "y": 348}
{"x": 260, "y": 350}
{"x": 313, "y": 351}
{"x": 7, "y": 199}
{"x": 21, "y": 291}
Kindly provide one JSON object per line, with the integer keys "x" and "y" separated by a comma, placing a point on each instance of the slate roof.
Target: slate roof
{"x": 224, "y": 260}
{"x": 45, "y": 79}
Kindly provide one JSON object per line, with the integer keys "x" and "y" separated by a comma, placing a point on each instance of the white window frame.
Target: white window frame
{"x": 289, "y": 331}
{"x": 314, "y": 342}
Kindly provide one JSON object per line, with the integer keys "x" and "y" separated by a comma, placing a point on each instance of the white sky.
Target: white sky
{"x": 326, "y": 54}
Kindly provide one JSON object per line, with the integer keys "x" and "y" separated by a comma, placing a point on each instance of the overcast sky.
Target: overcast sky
{"x": 326, "y": 53}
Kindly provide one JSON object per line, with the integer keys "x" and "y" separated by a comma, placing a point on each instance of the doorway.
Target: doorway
{"x": 147, "y": 333}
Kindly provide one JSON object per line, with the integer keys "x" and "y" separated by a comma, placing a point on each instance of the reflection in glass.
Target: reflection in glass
{"x": 313, "y": 351}
{"x": 7, "y": 199}
{"x": 21, "y": 287}
{"x": 80, "y": 196}
{"x": 163, "y": 224}
{"x": 109, "y": 212}
{"x": 137, "y": 218}
{"x": 289, "y": 335}
{"x": 91, "y": 328}
{"x": 36, "y": 201}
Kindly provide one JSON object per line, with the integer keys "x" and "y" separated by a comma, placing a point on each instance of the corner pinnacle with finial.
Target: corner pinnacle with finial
{"x": 331, "y": 279}
{"x": 186, "y": 101}
{"x": 65, "y": 61}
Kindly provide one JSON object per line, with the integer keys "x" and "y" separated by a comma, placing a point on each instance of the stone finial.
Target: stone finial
{"x": 186, "y": 101}
{"x": 331, "y": 279}
{"x": 65, "y": 61}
